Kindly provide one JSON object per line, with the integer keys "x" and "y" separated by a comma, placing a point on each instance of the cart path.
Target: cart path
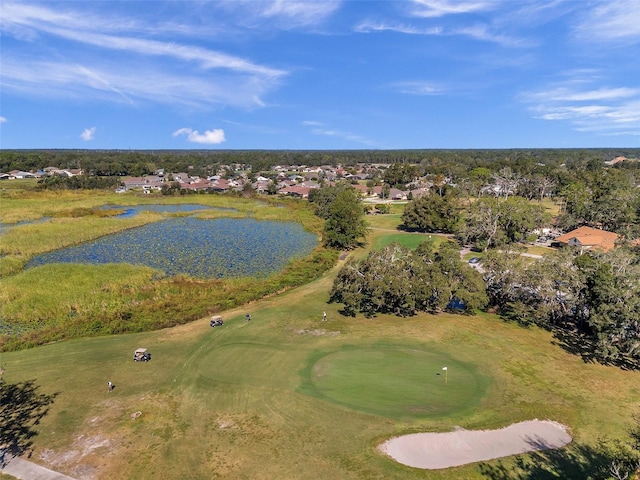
{"x": 26, "y": 470}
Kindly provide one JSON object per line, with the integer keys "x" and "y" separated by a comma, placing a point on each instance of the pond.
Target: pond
{"x": 6, "y": 226}
{"x": 130, "y": 211}
{"x": 202, "y": 248}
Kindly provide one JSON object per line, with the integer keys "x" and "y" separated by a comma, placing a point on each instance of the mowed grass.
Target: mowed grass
{"x": 396, "y": 381}
{"x": 409, "y": 240}
{"x": 238, "y": 402}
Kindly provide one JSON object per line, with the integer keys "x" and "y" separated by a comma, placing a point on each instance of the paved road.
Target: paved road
{"x": 26, "y": 470}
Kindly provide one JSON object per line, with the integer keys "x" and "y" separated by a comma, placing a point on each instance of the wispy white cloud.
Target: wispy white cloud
{"x": 565, "y": 94}
{"x": 604, "y": 110}
{"x": 486, "y": 34}
{"x": 476, "y": 31}
{"x": 121, "y": 83}
{"x": 279, "y": 14}
{"x": 3, "y": 120}
{"x": 320, "y": 128}
{"x": 439, "y": 8}
{"x": 299, "y": 13}
{"x": 214, "y": 136}
{"x": 183, "y": 73}
{"x": 369, "y": 26}
{"x": 88, "y": 134}
{"x": 419, "y": 88}
{"x": 611, "y": 21}
{"x": 76, "y": 28}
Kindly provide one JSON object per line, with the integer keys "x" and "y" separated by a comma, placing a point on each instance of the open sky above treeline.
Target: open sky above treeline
{"x": 327, "y": 74}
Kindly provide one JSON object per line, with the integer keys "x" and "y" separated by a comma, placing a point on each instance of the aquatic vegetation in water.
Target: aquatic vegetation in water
{"x": 218, "y": 248}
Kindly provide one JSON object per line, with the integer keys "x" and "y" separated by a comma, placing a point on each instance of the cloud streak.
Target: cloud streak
{"x": 419, "y": 88}
{"x": 611, "y": 21}
{"x": 602, "y": 110}
{"x": 319, "y": 128}
{"x": 440, "y": 8}
{"x": 178, "y": 73}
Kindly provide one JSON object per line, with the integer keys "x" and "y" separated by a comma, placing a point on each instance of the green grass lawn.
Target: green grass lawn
{"x": 396, "y": 381}
{"x": 409, "y": 240}
{"x": 289, "y": 396}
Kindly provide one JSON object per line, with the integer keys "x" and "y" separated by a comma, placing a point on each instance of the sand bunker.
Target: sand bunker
{"x": 451, "y": 449}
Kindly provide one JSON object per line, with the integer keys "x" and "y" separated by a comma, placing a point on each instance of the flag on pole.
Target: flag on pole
{"x": 444, "y": 368}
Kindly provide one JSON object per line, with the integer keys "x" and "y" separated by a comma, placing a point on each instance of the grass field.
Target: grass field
{"x": 396, "y": 381}
{"x": 270, "y": 398}
{"x": 288, "y": 396}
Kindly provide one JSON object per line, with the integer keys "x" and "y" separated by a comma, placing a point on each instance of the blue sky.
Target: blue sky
{"x": 330, "y": 74}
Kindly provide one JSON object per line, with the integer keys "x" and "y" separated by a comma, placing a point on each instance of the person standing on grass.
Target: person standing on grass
{"x": 110, "y": 386}
{"x": 248, "y": 317}
{"x": 324, "y": 316}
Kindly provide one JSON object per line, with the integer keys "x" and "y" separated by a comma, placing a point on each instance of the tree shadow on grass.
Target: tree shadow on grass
{"x": 574, "y": 461}
{"x": 581, "y": 344}
{"x": 21, "y": 409}
{"x": 575, "y": 343}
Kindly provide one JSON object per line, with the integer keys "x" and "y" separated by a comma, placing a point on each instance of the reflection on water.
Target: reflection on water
{"x": 130, "y": 211}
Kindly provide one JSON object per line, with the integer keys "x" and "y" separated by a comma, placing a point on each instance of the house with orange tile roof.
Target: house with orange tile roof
{"x": 587, "y": 238}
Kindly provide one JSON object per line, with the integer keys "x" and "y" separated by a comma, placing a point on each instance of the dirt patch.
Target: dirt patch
{"x": 315, "y": 332}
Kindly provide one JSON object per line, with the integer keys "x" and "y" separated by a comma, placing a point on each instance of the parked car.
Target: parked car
{"x": 474, "y": 260}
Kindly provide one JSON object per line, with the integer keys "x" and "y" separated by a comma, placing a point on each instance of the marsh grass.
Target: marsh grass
{"x": 19, "y": 244}
{"x": 56, "y": 302}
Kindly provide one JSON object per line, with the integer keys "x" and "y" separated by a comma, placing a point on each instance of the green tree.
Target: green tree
{"x": 345, "y": 225}
{"x": 396, "y": 280}
{"x": 492, "y": 222}
{"x": 591, "y": 301}
{"x": 399, "y": 174}
{"x": 432, "y": 213}
{"x": 322, "y": 198}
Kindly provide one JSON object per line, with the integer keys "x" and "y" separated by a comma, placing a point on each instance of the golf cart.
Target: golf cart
{"x": 216, "y": 321}
{"x": 141, "y": 355}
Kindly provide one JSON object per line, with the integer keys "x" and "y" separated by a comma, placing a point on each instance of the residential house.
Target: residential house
{"x": 396, "y": 194}
{"x": 587, "y": 238}
{"x": 295, "y": 191}
{"x": 13, "y": 174}
{"x": 197, "y": 185}
{"x": 150, "y": 182}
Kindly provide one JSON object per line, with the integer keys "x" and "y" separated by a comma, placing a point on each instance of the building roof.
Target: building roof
{"x": 589, "y": 237}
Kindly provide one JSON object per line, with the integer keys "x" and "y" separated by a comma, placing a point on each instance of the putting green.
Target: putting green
{"x": 397, "y": 381}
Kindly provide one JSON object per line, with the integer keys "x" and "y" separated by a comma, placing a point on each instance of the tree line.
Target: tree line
{"x": 202, "y": 162}
{"x": 590, "y": 300}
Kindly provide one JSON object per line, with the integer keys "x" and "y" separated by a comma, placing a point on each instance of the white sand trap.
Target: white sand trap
{"x": 451, "y": 449}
